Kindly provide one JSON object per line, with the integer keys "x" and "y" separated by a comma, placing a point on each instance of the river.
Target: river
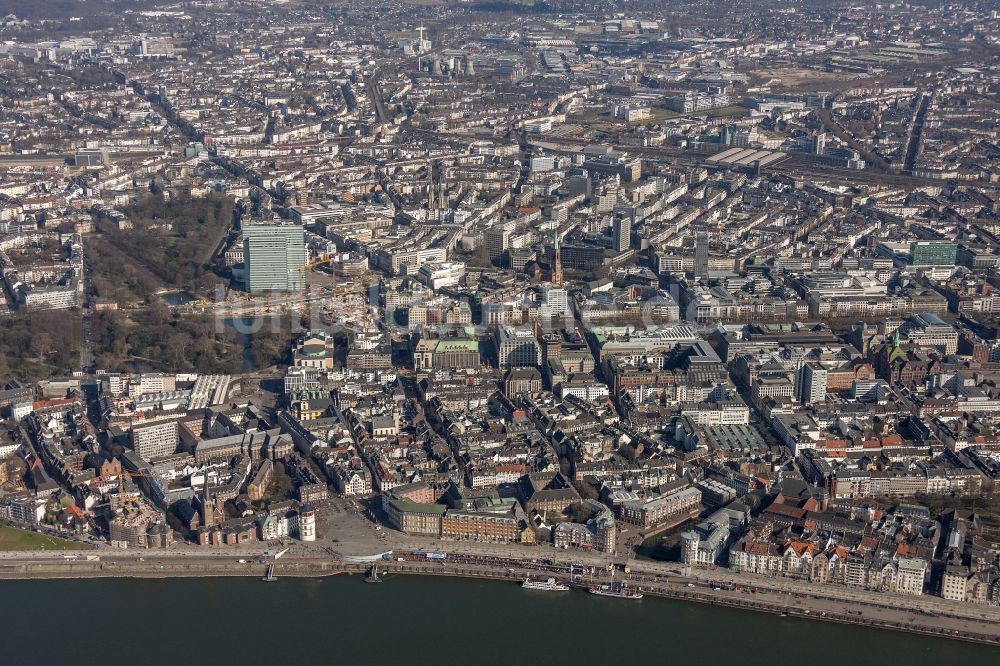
{"x": 414, "y": 620}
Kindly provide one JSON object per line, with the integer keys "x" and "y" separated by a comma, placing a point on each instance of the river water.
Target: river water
{"x": 416, "y": 620}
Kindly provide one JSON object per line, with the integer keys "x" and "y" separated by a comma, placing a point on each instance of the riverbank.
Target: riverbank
{"x": 760, "y": 598}
{"x": 13, "y": 539}
{"x": 422, "y": 620}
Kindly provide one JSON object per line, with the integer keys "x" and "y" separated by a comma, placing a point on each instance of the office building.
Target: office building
{"x": 701, "y": 255}
{"x": 929, "y": 330}
{"x": 933, "y": 253}
{"x": 497, "y": 241}
{"x": 811, "y": 383}
{"x": 517, "y": 347}
{"x": 275, "y": 257}
{"x": 520, "y": 257}
{"x": 543, "y": 163}
{"x": 155, "y": 439}
{"x": 622, "y": 232}
{"x": 556, "y": 300}
{"x": 819, "y": 143}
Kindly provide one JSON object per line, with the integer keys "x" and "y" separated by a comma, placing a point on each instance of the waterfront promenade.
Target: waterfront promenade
{"x": 926, "y": 615}
{"x": 351, "y": 537}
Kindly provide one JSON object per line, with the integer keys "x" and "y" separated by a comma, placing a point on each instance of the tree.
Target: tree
{"x": 41, "y": 344}
{"x": 586, "y": 490}
{"x": 579, "y": 512}
{"x": 157, "y": 312}
{"x": 177, "y": 346}
{"x": 28, "y": 336}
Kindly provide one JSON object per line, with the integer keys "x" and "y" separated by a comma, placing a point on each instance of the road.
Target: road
{"x": 355, "y": 534}
{"x": 916, "y": 133}
{"x": 87, "y": 358}
{"x": 876, "y": 161}
{"x": 822, "y": 602}
{"x": 347, "y": 532}
{"x": 375, "y": 92}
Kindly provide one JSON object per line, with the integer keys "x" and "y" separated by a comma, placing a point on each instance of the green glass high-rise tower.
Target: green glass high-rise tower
{"x": 274, "y": 254}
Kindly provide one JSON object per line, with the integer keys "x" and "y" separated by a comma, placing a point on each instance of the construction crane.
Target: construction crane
{"x": 121, "y": 481}
{"x": 303, "y": 272}
{"x": 352, "y": 304}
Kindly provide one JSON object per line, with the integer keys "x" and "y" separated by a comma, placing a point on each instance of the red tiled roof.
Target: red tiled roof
{"x": 785, "y": 510}
{"x": 57, "y": 402}
{"x": 800, "y": 547}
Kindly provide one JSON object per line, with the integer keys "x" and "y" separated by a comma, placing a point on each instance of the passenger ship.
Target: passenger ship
{"x": 618, "y": 590}
{"x": 550, "y": 585}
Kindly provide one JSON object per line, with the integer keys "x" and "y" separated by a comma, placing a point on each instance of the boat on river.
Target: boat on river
{"x": 550, "y": 585}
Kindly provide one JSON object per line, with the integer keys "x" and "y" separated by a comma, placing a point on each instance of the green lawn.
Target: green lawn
{"x": 12, "y": 538}
{"x": 730, "y": 111}
{"x": 656, "y": 116}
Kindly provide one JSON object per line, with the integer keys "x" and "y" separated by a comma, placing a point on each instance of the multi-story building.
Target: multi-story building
{"x": 525, "y": 380}
{"x": 556, "y": 300}
{"x": 933, "y": 253}
{"x": 155, "y": 438}
{"x": 441, "y": 274}
{"x": 910, "y": 574}
{"x": 811, "y": 383}
{"x": 483, "y": 526}
{"x": 517, "y": 347}
{"x": 622, "y": 232}
{"x": 929, "y": 330}
{"x": 598, "y": 533}
{"x": 408, "y": 260}
{"x": 50, "y": 298}
{"x": 705, "y": 543}
{"x": 352, "y": 480}
{"x": 657, "y": 510}
{"x": 628, "y": 169}
{"x": 692, "y": 101}
{"x": 773, "y": 388}
{"x": 412, "y": 517}
{"x": 446, "y": 353}
{"x": 275, "y": 257}
{"x": 23, "y": 508}
{"x": 378, "y": 357}
{"x": 497, "y": 241}
{"x": 954, "y": 582}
